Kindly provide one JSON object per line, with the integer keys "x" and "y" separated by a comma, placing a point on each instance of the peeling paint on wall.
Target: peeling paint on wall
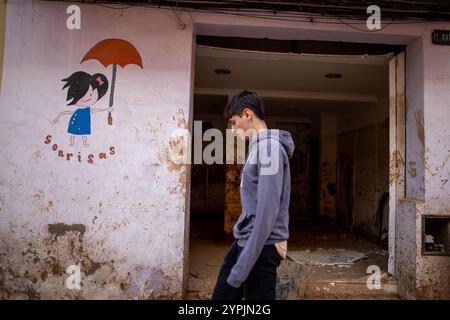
{"x": 35, "y": 268}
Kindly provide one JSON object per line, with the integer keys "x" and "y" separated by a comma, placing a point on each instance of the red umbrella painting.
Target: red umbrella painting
{"x": 115, "y": 52}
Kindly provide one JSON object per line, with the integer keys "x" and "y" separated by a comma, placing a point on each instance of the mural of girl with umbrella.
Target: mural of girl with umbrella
{"x": 84, "y": 90}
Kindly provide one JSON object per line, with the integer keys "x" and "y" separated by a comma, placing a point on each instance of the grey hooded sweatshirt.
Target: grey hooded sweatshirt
{"x": 265, "y": 195}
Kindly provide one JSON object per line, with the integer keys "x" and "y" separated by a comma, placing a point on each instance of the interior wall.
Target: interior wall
{"x": 327, "y": 173}
{"x": 208, "y": 181}
{"x": 366, "y": 152}
{"x": 363, "y": 165}
{"x": 301, "y": 197}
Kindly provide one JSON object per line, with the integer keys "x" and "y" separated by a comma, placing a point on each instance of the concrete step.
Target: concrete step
{"x": 296, "y": 281}
{"x": 349, "y": 290}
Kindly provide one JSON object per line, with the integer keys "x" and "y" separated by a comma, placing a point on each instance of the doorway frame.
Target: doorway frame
{"x": 397, "y": 147}
{"x": 397, "y": 125}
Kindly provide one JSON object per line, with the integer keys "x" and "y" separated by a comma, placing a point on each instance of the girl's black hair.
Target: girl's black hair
{"x": 79, "y": 83}
{"x": 245, "y": 99}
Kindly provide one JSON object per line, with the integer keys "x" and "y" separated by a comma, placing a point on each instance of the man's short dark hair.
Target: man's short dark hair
{"x": 245, "y": 99}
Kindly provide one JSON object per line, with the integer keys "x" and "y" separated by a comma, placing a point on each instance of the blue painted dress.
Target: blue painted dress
{"x": 80, "y": 122}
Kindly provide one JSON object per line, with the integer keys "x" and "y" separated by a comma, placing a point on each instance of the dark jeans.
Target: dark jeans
{"x": 261, "y": 282}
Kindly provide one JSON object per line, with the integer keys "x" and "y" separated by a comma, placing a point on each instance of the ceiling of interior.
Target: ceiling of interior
{"x": 289, "y": 82}
{"x": 290, "y": 72}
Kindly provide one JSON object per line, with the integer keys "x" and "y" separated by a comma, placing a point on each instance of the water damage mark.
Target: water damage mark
{"x": 34, "y": 267}
{"x": 180, "y": 119}
{"x": 39, "y": 195}
{"x": 174, "y": 153}
{"x": 46, "y": 208}
{"x": 396, "y": 165}
{"x": 419, "y": 125}
{"x": 60, "y": 229}
{"x": 437, "y": 169}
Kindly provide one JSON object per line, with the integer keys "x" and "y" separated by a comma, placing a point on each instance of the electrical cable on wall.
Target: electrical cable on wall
{"x": 301, "y": 16}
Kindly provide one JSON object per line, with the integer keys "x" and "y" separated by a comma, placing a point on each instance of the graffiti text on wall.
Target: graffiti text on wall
{"x": 78, "y": 156}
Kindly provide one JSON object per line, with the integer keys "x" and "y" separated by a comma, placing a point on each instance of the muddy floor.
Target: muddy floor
{"x": 307, "y": 281}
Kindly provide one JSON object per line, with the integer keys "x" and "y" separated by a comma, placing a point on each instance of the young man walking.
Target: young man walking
{"x": 249, "y": 268}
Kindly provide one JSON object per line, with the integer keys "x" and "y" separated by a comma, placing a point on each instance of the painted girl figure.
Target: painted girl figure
{"x": 84, "y": 91}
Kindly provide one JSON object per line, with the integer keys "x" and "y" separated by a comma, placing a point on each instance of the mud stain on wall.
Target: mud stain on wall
{"x": 419, "y": 125}
{"x": 60, "y": 229}
{"x": 396, "y": 164}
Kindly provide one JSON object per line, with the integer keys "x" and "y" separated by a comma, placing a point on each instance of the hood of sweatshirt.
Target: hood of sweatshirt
{"x": 283, "y": 136}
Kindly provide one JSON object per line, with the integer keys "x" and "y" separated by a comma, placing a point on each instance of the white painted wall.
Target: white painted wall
{"x": 132, "y": 205}
{"x": 436, "y": 119}
{"x": 433, "y": 273}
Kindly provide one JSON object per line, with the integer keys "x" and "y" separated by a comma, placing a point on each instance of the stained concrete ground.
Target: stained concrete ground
{"x": 208, "y": 248}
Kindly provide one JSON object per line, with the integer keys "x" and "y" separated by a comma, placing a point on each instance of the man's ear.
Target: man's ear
{"x": 247, "y": 113}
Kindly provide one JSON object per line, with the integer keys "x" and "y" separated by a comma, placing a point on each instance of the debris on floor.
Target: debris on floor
{"x": 199, "y": 288}
{"x": 291, "y": 280}
{"x": 316, "y": 268}
{"x": 326, "y": 257}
